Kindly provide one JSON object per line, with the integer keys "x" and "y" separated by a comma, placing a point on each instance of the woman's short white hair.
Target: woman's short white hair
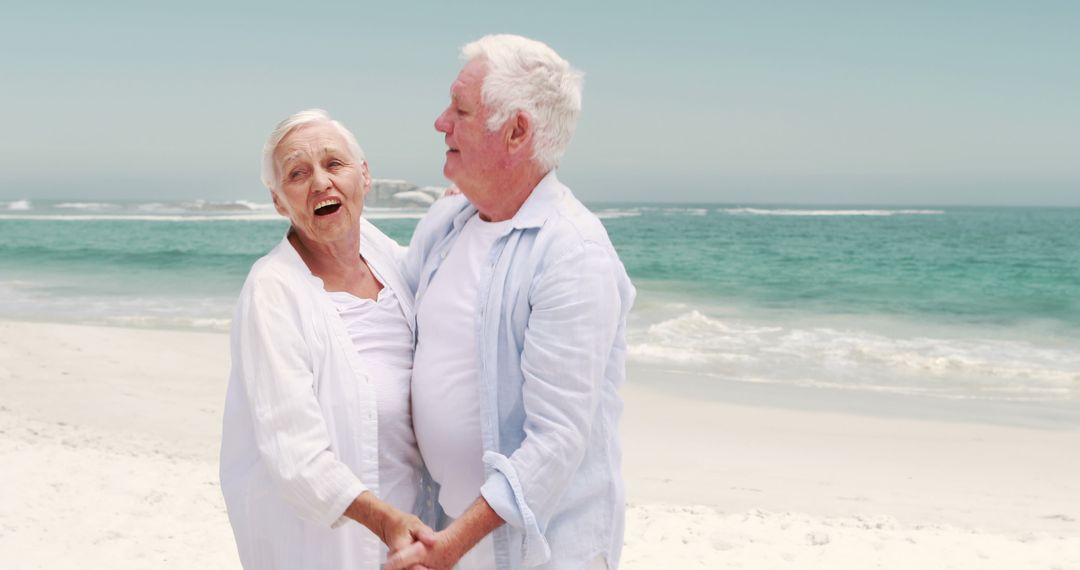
{"x": 527, "y": 75}
{"x": 305, "y": 117}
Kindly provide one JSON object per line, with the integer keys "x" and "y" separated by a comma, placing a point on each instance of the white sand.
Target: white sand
{"x": 108, "y": 442}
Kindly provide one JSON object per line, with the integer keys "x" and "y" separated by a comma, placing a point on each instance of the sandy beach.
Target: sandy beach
{"x": 109, "y": 439}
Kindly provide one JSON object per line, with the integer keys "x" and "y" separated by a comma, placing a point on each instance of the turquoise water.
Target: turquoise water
{"x": 993, "y": 266}
{"x": 949, "y": 302}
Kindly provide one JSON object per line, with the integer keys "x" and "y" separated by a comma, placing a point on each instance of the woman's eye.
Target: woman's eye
{"x": 295, "y": 174}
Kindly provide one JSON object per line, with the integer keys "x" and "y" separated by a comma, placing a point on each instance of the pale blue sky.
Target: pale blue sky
{"x": 751, "y": 102}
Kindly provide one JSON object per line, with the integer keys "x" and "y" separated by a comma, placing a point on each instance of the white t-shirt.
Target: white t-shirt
{"x": 446, "y": 368}
{"x": 385, "y": 344}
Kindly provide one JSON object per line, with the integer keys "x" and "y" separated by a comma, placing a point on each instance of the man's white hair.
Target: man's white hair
{"x": 301, "y": 119}
{"x": 527, "y": 75}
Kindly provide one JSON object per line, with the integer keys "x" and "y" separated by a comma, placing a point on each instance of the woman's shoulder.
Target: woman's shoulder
{"x": 277, "y": 270}
{"x": 372, "y": 235}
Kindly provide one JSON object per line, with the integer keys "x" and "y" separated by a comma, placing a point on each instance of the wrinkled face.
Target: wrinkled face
{"x": 475, "y": 156}
{"x": 321, "y": 187}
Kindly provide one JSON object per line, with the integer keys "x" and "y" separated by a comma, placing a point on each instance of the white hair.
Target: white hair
{"x": 527, "y": 75}
{"x": 301, "y": 119}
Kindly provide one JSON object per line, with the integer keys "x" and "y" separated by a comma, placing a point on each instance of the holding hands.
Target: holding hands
{"x": 450, "y": 544}
{"x": 398, "y": 530}
{"x": 442, "y": 554}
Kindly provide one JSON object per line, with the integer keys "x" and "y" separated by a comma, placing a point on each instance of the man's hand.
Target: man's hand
{"x": 443, "y": 555}
{"x": 451, "y": 544}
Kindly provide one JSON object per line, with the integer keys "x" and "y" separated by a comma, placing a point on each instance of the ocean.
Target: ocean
{"x": 940, "y": 303}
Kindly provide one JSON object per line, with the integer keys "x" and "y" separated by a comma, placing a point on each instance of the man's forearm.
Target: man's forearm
{"x": 478, "y": 521}
{"x": 451, "y": 544}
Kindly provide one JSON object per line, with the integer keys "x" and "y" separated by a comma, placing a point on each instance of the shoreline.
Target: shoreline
{"x": 1059, "y": 416}
{"x": 111, "y": 434}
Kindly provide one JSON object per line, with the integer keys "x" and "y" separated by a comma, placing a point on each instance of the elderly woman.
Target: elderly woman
{"x": 317, "y": 429}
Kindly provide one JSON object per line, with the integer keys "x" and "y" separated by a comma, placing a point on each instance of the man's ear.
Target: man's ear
{"x": 519, "y": 133}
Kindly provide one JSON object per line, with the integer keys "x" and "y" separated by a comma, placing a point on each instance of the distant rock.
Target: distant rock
{"x": 401, "y": 194}
{"x": 414, "y": 197}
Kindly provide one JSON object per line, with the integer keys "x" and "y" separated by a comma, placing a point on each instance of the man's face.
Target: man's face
{"x": 476, "y": 158}
{"x": 321, "y": 187}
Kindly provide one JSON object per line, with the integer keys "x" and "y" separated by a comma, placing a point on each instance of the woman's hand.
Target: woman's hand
{"x": 442, "y": 555}
{"x": 402, "y": 530}
{"x": 452, "y": 543}
{"x": 395, "y": 528}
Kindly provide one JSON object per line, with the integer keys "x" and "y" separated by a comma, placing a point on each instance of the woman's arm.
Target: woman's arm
{"x": 395, "y": 528}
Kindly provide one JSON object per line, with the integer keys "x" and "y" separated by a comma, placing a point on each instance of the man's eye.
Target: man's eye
{"x": 295, "y": 174}
{"x": 335, "y": 163}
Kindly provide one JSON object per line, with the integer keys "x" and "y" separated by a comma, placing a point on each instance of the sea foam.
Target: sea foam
{"x": 86, "y": 206}
{"x": 860, "y": 358}
{"x": 254, "y": 217}
{"x": 841, "y": 212}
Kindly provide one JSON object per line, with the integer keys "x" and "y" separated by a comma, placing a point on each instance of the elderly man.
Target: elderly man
{"x": 522, "y": 305}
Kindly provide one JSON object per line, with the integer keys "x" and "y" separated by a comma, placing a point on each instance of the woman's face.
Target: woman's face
{"x": 321, "y": 186}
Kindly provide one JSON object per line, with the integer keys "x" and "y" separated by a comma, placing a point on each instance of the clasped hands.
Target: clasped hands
{"x": 414, "y": 546}
{"x": 440, "y": 551}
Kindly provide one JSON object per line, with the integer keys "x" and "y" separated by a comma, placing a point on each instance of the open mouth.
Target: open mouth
{"x": 327, "y": 207}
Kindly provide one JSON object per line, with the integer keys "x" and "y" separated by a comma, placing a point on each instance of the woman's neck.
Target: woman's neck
{"x": 338, "y": 264}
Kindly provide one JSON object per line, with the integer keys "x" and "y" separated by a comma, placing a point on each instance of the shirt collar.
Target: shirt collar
{"x": 533, "y": 212}
{"x": 292, "y": 257}
{"x": 540, "y": 203}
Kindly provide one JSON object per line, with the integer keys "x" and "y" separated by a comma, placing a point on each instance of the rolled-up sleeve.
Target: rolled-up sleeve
{"x": 275, "y": 366}
{"x": 567, "y": 343}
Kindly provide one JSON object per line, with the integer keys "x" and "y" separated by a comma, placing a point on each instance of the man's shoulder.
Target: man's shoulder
{"x": 440, "y": 217}
{"x": 572, "y": 224}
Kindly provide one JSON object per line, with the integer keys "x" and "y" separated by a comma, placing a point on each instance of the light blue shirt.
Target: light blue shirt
{"x": 552, "y": 308}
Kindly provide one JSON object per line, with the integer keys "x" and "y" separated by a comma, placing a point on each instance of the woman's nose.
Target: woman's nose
{"x": 320, "y": 180}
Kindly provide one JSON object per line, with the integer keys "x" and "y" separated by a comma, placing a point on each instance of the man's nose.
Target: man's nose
{"x": 442, "y": 124}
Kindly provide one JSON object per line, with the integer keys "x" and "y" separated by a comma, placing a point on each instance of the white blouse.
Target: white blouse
{"x": 300, "y": 438}
{"x": 384, "y": 341}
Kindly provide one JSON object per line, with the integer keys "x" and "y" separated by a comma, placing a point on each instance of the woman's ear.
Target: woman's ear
{"x": 278, "y": 205}
{"x": 366, "y": 182}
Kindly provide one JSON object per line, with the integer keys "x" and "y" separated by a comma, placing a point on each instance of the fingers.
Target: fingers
{"x": 399, "y": 543}
{"x": 407, "y": 557}
{"x": 408, "y": 530}
{"x": 425, "y": 535}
